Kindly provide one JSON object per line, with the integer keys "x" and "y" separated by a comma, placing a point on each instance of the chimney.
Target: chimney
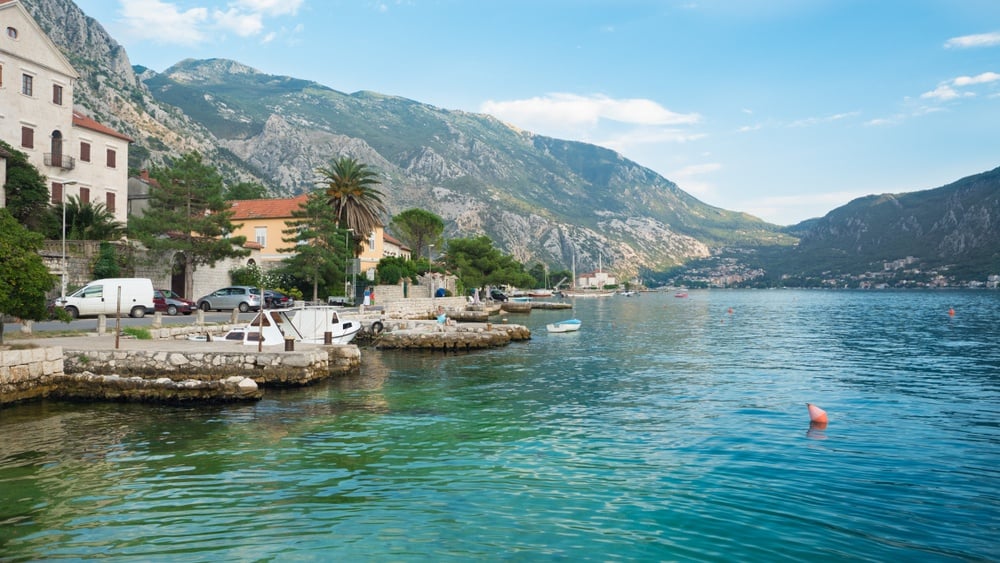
{"x": 144, "y": 175}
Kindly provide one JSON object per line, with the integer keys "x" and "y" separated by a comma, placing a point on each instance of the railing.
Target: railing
{"x": 60, "y": 160}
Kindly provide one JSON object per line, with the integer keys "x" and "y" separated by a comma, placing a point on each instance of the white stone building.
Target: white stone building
{"x": 78, "y": 156}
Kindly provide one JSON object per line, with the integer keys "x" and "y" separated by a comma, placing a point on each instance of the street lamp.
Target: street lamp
{"x": 347, "y": 267}
{"x": 64, "y": 267}
{"x": 430, "y": 252}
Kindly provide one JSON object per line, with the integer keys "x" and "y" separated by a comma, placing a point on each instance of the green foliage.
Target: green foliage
{"x": 418, "y": 228}
{"x": 84, "y": 221}
{"x": 477, "y": 263}
{"x": 27, "y": 192}
{"x": 188, "y": 216}
{"x": 392, "y": 269}
{"x": 245, "y": 190}
{"x": 137, "y": 332}
{"x": 24, "y": 279}
{"x": 350, "y": 189}
{"x": 107, "y": 262}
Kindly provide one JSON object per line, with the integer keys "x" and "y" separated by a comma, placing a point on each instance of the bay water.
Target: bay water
{"x": 666, "y": 429}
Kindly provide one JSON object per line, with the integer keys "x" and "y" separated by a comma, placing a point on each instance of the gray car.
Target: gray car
{"x": 242, "y": 297}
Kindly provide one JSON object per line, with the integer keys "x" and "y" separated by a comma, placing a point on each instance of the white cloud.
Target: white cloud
{"x": 943, "y": 92}
{"x": 978, "y": 79}
{"x": 575, "y": 110}
{"x": 827, "y": 119}
{"x": 979, "y": 40}
{"x": 244, "y": 18}
{"x": 241, "y": 23}
{"x": 270, "y": 7}
{"x": 142, "y": 17}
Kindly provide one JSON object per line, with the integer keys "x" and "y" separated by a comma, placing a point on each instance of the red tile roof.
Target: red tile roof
{"x": 80, "y": 120}
{"x": 266, "y": 208}
{"x": 391, "y": 239}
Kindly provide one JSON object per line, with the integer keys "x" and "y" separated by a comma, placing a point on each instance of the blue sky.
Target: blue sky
{"x": 785, "y": 109}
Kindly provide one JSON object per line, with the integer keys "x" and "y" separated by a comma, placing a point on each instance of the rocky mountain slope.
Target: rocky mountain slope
{"x": 954, "y": 227}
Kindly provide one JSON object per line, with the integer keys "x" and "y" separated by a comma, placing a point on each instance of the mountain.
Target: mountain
{"x": 951, "y": 232}
{"x": 539, "y": 198}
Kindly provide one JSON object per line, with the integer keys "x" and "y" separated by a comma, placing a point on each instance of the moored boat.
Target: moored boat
{"x": 308, "y": 325}
{"x": 569, "y": 325}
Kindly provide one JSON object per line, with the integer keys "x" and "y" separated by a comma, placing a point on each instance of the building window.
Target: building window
{"x": 110, "y": 202}
{"x": 57, "y": 94}
{"x": 84, "y": 151}
{"x": 111, "y": 158}
{"x": 27, "y": 137}
{"x": 57, "y": 193}
{"x": 27, "y": 84}
{"x": 12, "y": 32}
{"x": 84, "y": 196}
{"x": 260, "y": 235}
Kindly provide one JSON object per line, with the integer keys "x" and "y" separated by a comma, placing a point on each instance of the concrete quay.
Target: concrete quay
{"x": 96, "y": 367}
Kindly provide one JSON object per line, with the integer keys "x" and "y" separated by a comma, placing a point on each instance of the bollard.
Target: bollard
{"x": 157, "y": 319}
{"x": 27, "y": 326}
{"x": 102, "y": 323}
{"x": 289, "y": 344}
{"x": 200, "y": 318}
{"x": 328, "y": 338}
{"x": 235, "y": 316}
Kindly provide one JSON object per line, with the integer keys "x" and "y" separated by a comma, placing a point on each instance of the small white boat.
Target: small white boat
{"x": 308, "y": 325}
{"x": 570, "y": 325}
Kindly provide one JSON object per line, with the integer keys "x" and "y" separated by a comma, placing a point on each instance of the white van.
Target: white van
{"x": 101, "y": 297}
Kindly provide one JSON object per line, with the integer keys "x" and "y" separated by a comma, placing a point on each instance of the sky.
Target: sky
{"x": 783, "y": 109}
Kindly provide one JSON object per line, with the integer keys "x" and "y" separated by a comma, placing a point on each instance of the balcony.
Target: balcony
{"x": 60, "y": 161}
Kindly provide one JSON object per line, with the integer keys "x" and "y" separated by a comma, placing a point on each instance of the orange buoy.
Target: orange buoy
{"x": 816, "y": 414}
{"x": 730, "y": 311}
{"x": 951, "y": 312}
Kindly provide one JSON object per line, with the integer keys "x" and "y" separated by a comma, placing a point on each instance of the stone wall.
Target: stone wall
{"x": 29, "y": 373}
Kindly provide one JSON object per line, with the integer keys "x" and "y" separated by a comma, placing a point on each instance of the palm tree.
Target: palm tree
{"x": 90, "y": 221}
{"x": 350, "y": 190}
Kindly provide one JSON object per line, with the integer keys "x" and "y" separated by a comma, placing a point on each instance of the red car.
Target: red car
{"x": 166, "y": 301}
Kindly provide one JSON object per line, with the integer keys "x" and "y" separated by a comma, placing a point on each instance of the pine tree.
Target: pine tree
{"x": 320, "y": 255}
{"x": 187, "y": 215}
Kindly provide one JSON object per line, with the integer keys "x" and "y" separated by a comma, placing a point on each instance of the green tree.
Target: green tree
{"x": 391, "y": 269}
{"x": 188, "y": 216}
{"x": 24, "y": 279}
{"x": 350, "y": 189}
{"x": 418, "y": 229}
{"x": 27, "y": 192}
{"x": 478, "y": 263}
{"x": 245, "y": 190}
{"x": 107, "y": 262}
{"x": 84, "y": 221}
{"x": 320, "y": 255}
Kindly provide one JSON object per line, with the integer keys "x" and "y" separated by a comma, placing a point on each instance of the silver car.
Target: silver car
{"x": 242, "y": 297}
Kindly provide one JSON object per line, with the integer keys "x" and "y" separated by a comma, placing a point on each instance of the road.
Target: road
{"x": 90, "y": 324}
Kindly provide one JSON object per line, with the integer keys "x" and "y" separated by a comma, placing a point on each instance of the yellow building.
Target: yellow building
{"x": 262, "y": 222}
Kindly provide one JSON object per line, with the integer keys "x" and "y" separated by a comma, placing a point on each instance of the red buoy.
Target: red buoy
{"x": 816, "y": 414}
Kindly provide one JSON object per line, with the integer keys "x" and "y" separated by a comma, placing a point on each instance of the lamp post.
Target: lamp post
{"x": 347, "y": 267}
{"x": 64, "y": 267}
{"x": 430, "y": 253}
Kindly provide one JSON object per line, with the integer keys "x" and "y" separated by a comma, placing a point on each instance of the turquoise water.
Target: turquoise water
{"x": 666, "y": 429}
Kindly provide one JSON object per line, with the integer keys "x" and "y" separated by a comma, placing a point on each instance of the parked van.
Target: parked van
{"x": 101, "y": 297}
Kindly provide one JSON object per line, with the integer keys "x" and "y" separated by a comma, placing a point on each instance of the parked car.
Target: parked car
{"x": 167, "y": 301}
{"x": 242, "y": 297}
{"x": 133, "y": 296}
{"x": 276, "y": 300}
{"x": 497, "y": 295}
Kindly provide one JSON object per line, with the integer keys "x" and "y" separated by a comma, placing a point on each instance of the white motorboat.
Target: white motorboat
{"x": 570, "y": 325}
{"x": 308, "y": 325}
